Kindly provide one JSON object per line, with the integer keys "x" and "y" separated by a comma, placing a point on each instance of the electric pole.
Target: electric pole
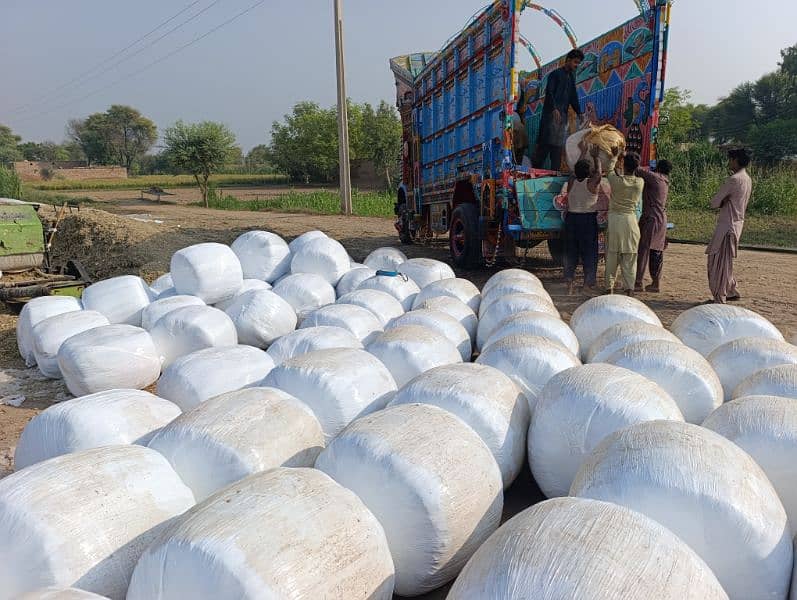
{"x": 343, "y": 119}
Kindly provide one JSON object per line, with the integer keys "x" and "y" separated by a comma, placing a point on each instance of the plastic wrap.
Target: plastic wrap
{"x": 361, "y": 322}
{"x": 534, "y": 322}
{"x": 453, "y": 308}
{"x": 461, "y": 289}
{"x": 443, "y": 324}
{"x": 507, "y": 274}
{"x": 570, "y": 548}
{"x": 485, "y": 399}
{"x": 324, "y": 257}
{"x": 260, "y": 317}
{"x": 704, "y": 489}
{"x": 48, "y": 336}
{"x": 263, "y": 255}
{"x": 429, "y": 479}
{"x": 621, "y": 335}
{"x": 298, "y": 243}
{"x": 168, "y": 293}
{"x": 512, "y": 285}
{"x": 384, "y": 306}
{"x": 530, "y": 361}
{"x": 400, "y": 287}
{"x": 248, "y": 285}
{"x": 385, "y": 259}
{"x": 305, "y": 292}
{"x": 191, "y": 328}
{"x": 410, "y": 350}
{"x": 35, "y": 311}
{"x": 508, "y": 306}
{"x": 578, "y": 408}
{"x": 351, "y": 280}
{"x": 194, "y": 378}
{"x": 210, "y": 271}
{"x": 120, "y": 299}
{"x": 285, "y": 533}
{"x": 162, "y": 283}
{"x": 234, "y": 435}
{"x": 311, "y": 339}
{"x": 424, "y": 271}
{"x": 59, "y": 593}
{"x": 339, "y": 385}
{"x": 737, "y": 360}
{"x": 704, "y": 328}
{"x": 84, "y": 519}
{"x": 163, "y": 306}
{"x": 774, "y": 381}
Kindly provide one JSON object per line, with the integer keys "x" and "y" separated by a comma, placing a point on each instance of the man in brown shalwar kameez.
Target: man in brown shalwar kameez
{"x": 731, "y": 200}
{"x": 653, "y": 224}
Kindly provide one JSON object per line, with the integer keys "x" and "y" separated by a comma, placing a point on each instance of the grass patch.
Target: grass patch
{"x": 698, "y": 226}
{"x": 162, "y": 181}
{"x": 40, "y": 197}
{"x": 322, "y": 202}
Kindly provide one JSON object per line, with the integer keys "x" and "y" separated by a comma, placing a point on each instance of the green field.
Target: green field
{"x": 322, "y": 202}
{"x": 162, "y": 181}
{"x": 696, "y": 225}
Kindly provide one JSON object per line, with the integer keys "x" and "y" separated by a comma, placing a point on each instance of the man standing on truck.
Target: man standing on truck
{"x": 560, "y": 94}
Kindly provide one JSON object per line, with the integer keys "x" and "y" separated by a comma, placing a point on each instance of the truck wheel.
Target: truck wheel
{"x": 556, "y": 247}
{"x": 464, "y": 236}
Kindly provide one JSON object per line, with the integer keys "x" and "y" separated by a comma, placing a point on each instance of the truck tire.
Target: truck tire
{"x": 556, "y": 247}
{"x": 463, "y": 236}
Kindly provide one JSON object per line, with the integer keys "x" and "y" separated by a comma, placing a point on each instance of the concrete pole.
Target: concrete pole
{"x": 343, "y": 120}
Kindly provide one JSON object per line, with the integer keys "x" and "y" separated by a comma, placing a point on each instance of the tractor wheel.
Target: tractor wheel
{"x": 464, "y": 236}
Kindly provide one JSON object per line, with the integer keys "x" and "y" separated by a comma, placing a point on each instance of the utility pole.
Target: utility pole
{"x": 343, "y": 118}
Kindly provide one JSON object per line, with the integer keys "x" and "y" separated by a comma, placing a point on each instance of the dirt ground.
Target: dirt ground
{"x": 191, "y": 195}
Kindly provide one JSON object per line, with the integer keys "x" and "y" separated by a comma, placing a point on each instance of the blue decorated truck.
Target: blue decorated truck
{"x": 460, "y": 176}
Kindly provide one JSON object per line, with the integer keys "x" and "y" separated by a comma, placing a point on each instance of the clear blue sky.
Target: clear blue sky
{"x": 252, "y": 71}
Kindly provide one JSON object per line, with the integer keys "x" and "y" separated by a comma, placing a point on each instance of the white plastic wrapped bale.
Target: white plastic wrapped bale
{"x": 236, "y": 434}
{"x": 410, "y": 350}
{"x": 461, "y": 289}
{"x": 247, "y": 286}
{"x": 191, "y": 328}
{"x": 578, "y": 408}
{"x": 263, "y": 255}
{"x": 120, "y": 299}
{"x": 49, "y": 335}
{"x": 308, "y": 236}
{"x": 579, "y": 548}
{"x": 530, "y": 361}
{"x": 163, "y": 306}
{"x": 402, "y": 288}
{"x": 361, "y": 322}
{"x": 351, "y": 280}
{"x": 384, "y": 306}
{"x": 774, "y": 381}
{"x": 596, "y": 315}
{"x": 167, "y": 293}
{"x": 34, "y": 312}
{"x": 84, "y": 519}
{"x": 485, "y": 399}
{"x": 324, "y": 257}
{"x": 339, "y": 385}
{"x": 107, "y": 358}
{"x": 305, "y": 292}
{"x": 443, "y": 324}
{"x": 618, "y": 336}
{"x": 704, "y": 489}
{"x": 285, "y": 533}
{"x": 737, "y": 360}
{"x": 425, "y": 271}
{"x": 260, "y": 317}
{"x": 704, "y": 328}
{"x": 109, "y": 418}
{"x": 507, "y": 274}
{"x": 385, "y": 259}
{"x": 534, "y": 322}
{"x": 429, "y": 479}
{"x": 210, "y": 271}
{"x": 508, "y": 306}
{"x": 454, "y": 308}
{"x": 162, "y": 283}
{"x": 311, "y": 339}
{"x": 196, "y": 377}
{"x": 509, "y": 286}
{"x": 59, "y": 593}
{"x": 682, "y": 372}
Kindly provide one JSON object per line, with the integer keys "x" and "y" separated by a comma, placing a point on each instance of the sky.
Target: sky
{"x": 62, "y": 60}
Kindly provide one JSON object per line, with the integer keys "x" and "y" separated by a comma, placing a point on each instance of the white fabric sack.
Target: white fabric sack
{"x": 485, "y": 399}
{"x": 324, "y": 257}
{"x": 191, "y": 328}
{"x": 311, "y": 339}
{"x": 384, "y": 306}
{"x": 530, "y": 361}
{"x": 120, "y": 299}
{"x": 596, "y": 315}
{"x": 425, "y": 271}
{"x": 385, "y": 259}
{"x": 429, "y": 479}
{"x": 534, "y": 322}
{"x": 236, "y": 434}
{"x": 455, "y": 308}
{"x": 339, "y": 385}
{"x": 247, "y": 286}
{"x": 59, "y": 593}
{"x": 578, "y": 408}
{"x": 361, "y": 322}
{"x": 162, "y": 283}
{"x": 307, "y": 237}
{"x": 442, "y": 323}
{"x": 352, "y": 280}
{"x": 737, "y": 360}
{"x": 263, "y": 255}
{"x": 49, "y": 335}
{"x": 774, "y": 381}
{"x": 84, "y": 519}
{"x": 260, "y": 317}
{"x": 201, "y": 375}
{"x": 682, "y": 372}
{"x": 510, "y": 274}
{"x": 621, "y": 335}
{"x": 305, "y": 292}
{"x": 704, "y": 489}
{"x": 514, "y": 285}
{"x": 461, "y": 289}
{"x": 410, "y": 350}
{"x": 109, "y": 418}
{"x": 33, "y": 313}
{"x": 285, "y": 533}
{"x": 210, "y": 271}
{"x": 579, "y": 548}
{"x": 507, "y": 306}
{"x": 163, "y": 306}
{"x": 705, "y": 328}
{"x": 402, "y": 288}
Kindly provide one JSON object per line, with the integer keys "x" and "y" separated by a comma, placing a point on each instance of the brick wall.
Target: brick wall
{"x": 32, "y": 171}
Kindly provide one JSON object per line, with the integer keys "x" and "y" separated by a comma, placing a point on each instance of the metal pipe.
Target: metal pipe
{"x": 343, "y": 119}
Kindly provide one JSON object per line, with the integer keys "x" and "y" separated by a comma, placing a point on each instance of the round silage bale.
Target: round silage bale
{"x": 59, "y": 593}
{"x": 361, "y": 322}
{"x": 618, "y": 336}
{"x": 737, "y": 360}
{"x": 458, "y": 288}
{"x": 534, "y": 322}
{"x": 168, "y": 293}
{"x": 579, "y": 548}
{"x": 162, "y": 283}
{"x": 384, "y": 306}
{"x": 443, "y": 324}
{"x": 774, "y": 381}
{"x": 120, "y": 299}
{"x": 210, "y": 271}
{"x": 263, "y": 255}
{"x": 704, "y": 489}
{"x": 351, "y": 280}
{"x": 507, "y": 306}
{"x": 163, "y": 306}
{"x": 49, "y": 334}
{"x": 284, "y": 533}
{"x": 298, "y": 243}
{"x": 84, "y": 519}
{"x": 425, "y": 271}
{"x": 455, "y": 308}
{"x": 305, "y": 292}
{"x": 310, "y": 339}
{"x": 507, "y": 274}
{"x": 430, "y": 481}
{"x": 247, "y": 285}
{"x": 191, "y": 328}
{"x": 324, "y": 257}
{"x": 401, "y": 287}
{"x": 509, "y": 286}
{"x": 34, "y": 312}
{"x": 385, "y": 259}
{"x": 261, "y": 317}
{"x": 236, "y": 434}
{"x": 578, "y": 408}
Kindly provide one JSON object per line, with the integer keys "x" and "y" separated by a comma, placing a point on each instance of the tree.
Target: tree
{"x": 9, "y": 152}
{"x": 382, "y": 132}
{"x": 259, "y": 158}
{"x": 305, "y": 144}
{"x": 775, "y": 140}
{"x": 120, "y": 135}
{"x": 43, "y": 151}
{"x": 200, "y": 149}
{"x": 788, "y": 64}
{"x": 731, "y": 119}
{"x": 92, "y": 136}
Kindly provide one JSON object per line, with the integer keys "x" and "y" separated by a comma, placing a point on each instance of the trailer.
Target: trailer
{"x": 460, "y": 176}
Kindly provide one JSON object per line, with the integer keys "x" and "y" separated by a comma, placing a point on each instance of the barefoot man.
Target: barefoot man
{"x": 653, "y": 224}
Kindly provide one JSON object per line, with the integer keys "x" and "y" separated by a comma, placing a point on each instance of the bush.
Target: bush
{"x": 774, "y": 191}
{"x": 10, "y": 186}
